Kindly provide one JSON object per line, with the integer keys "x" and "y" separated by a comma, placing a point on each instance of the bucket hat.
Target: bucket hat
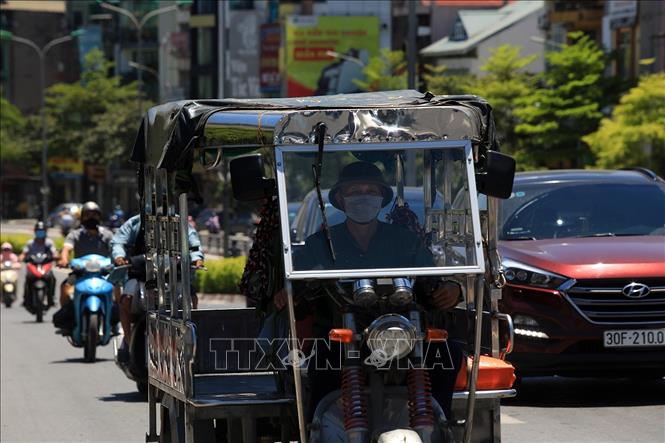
{"x": 360, "y": 172}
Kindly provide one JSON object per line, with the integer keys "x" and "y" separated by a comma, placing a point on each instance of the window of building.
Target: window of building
{"x": 205, "y": 86}
{"x": 624, "y": 51}
{"x": 205, "y": 6}
{"x": 204, "y": 46}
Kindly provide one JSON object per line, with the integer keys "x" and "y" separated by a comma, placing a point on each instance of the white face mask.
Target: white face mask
{"x": 362, "y": 208}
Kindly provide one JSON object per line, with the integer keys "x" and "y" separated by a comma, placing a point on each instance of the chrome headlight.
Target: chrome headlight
{"x": 403, "y": 294}
{"x": 364, "y": 294}
{"x": 391, "y": 337}
{"x": 93, "y": 266}
{"x": 9, "y": 287}
{"x": 521, "y": 274}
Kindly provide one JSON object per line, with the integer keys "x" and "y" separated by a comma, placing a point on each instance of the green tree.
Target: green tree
{"x": 14, "y": 145}
{"x": 505, "y": 86}
{"x": 440, "y": 83}
{"x": 635, "y": 134}
{"x": 567, "y": 106}
{"x": 94, "y": 118}
{"x": 385, "y": 72}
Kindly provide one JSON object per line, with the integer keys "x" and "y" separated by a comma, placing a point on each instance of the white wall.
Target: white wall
{"x": 518, "y": 35}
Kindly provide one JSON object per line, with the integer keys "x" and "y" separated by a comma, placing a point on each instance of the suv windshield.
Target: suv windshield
{"x": 560, "y": 210}
{"x": 367, "y": 228}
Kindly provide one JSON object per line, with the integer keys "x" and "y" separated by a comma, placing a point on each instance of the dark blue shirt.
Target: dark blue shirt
{"x": 391, "y": 246}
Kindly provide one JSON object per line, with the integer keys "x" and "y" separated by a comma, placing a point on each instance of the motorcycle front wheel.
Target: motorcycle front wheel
{"x": 90, "y": 348}
{"x": 39, "y": 306}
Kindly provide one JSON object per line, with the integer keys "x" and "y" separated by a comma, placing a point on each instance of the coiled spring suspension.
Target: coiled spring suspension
{"x": 355, "y": 404}
{"x": 421, "y": 412}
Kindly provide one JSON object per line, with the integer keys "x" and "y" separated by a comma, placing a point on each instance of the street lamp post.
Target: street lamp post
{"x": 41, "y": 52}
{"x": 138, "y": 24}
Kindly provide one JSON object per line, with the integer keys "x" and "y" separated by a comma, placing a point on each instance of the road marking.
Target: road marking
{"x": 508, "y": 420}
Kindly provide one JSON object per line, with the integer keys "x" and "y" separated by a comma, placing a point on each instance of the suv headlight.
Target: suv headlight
{"x": 521, "y": 274}
{"x": 390, "y": 337}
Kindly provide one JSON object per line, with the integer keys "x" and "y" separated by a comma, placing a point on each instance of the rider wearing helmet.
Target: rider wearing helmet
{"x": 8, "y": 253}
{"x": 40, "y": 244}
{"x": 90, "y": 238}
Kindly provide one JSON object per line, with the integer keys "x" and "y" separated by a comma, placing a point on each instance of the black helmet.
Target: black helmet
{"x": 90, "y": 207}
{"x": 40, "y": 226}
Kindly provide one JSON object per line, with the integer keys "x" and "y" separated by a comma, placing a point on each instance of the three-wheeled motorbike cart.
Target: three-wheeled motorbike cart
{"x": 366, "y": 281}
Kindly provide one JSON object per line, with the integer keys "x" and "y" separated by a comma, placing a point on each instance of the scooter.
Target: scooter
{"x": 92, "y": 304}
{"x": 8, "y": 277}
{"x": 39, "y": 266}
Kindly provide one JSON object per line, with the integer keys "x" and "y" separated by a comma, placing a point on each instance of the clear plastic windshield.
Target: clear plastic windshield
{"x": 389, "y": 211}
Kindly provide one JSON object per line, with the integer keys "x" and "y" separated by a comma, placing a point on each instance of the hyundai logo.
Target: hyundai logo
{"x": 636, "y": 290}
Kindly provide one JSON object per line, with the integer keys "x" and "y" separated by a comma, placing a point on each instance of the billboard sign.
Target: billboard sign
{"x": 324, "y": 54}
{"x": 271, "y": 80}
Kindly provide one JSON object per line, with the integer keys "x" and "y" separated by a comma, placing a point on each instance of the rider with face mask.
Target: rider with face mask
{"x": 40, "y": 244}
{"x": 90, "y": 238}
{"x": 363, "y": 241}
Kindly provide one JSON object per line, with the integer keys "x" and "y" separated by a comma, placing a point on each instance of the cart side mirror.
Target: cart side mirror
{"x": 497, "y": 179}
{"x": 248, "y": 179}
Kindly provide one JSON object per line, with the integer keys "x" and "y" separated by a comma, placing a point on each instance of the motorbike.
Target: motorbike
{"x": 39, "y": 266}
{"x": 92, "y": 304}
{"x": 135, "y": 368}
{"x": 8, "y": 278}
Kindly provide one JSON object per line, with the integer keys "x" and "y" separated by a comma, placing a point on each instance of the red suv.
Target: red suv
{"x": 584, "y": 256}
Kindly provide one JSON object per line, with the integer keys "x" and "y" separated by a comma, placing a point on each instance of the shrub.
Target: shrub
{"x": 19, "y": 240}
{"x": 222, "y": 276}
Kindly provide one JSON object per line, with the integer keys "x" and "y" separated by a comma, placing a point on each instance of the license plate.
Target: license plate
{"x": 628, "y": 338}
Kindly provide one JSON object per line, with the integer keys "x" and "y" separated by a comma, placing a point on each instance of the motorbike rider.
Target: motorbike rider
{"x": 127, "y": 242}
{"x": 40, "y": 244}
{"x": 90, "y": 238}
{"x": 8, "y": 254}
{"x": 362, "y": 241}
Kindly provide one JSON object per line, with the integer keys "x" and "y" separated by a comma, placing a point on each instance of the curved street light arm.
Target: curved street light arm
{"x": 144, "y": 68}
{"x": 151, "y": 14}
{"x": 30, "y": 43}
{"x": 122, "y": 11}
{"x": 55, "y": 42}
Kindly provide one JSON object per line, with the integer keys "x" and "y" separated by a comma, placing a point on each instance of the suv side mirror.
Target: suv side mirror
{"x": 248, "y": 181}
{"x": 497, "y": 179}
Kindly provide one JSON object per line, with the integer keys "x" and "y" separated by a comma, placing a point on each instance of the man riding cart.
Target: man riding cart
{"x": 350, "y": 339}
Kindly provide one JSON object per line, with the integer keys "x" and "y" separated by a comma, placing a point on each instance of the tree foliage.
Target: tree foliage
{"x": 566, "y": 106}
{"x": 96, "y": 118}
{"x": 14, "y": 145}
{"x": 635, "y": 134}
{"x": 385, "y": 72}
{"x": 439, "y": 83}
{"x": 505, "y": 86}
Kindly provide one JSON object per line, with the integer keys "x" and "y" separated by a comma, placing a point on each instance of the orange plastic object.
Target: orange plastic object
{"x": 493, "y": 373}
{"x": 436, "y": 335}
{"x": 341, "y": 335}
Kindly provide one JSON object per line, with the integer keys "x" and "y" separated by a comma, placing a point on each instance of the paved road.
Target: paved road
{"x": 553, "y": 409}
{"x": 49, "y": 394}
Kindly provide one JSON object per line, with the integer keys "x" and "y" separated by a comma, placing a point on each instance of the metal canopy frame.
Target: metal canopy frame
{"x": 292, "y": 274}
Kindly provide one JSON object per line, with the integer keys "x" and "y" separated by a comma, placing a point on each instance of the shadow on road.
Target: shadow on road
{"x": 78, "y": 360}
{"x": 129, "y": 397}
{"x": 562, "y": 392}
